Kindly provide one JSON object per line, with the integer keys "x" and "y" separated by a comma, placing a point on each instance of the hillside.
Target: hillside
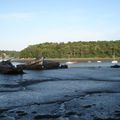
{"x": 92, "y": 49}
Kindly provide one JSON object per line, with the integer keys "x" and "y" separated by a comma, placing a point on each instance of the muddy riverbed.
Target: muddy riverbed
{"x": 67, "y": 94}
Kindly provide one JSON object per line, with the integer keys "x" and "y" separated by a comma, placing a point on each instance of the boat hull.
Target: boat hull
{"x": 6, "y": 67}
{"x": 45, "y": 65}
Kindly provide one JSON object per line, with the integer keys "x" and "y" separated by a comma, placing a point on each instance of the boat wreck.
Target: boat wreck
{"x": 115, "y": 66}
{"x": 6, "y": 67}
{"x": 41, "y": 65}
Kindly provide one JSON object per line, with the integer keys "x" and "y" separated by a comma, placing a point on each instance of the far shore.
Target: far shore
{"x": 66, "y": 59}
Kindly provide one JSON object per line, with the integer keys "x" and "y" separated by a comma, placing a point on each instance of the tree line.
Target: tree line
{"x": 91, "y": 49}
{"x": 7, "y": 53}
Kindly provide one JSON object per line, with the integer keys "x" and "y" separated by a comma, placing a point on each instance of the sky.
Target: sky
{"x": 28, "y": 22}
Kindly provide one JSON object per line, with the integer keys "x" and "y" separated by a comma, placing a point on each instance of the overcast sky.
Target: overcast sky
{"x": 27, "y": 22}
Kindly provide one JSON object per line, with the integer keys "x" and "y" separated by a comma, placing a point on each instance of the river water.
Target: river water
{"x": 74, "y": 71}
{"x": 62, "y": 93}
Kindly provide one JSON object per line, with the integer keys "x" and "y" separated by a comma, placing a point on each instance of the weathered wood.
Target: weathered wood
{"x": 41, "y": 65}
{"x": 6, "y": 67}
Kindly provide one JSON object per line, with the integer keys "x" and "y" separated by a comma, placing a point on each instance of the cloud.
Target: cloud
{"x": 19, "y": 16}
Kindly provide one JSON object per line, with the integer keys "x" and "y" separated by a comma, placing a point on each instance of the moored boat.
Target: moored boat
{"x": 114, "y": 61}
{"x": 71, "y": 62}
{"x": 98, "y": 61}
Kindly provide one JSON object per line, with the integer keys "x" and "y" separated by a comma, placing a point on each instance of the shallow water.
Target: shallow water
{"x": 83, "y": 83}
{"x": 82, "y": 67}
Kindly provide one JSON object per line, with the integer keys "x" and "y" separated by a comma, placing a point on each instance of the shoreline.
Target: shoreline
{"x": 67, "y": 59}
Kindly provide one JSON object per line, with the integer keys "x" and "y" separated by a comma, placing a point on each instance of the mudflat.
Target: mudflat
{"x": 70, "y": 94}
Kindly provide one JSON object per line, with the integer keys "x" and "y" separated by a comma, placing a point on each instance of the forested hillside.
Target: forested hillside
{"x": 8, "y": 53}
{"x": 90, "y": 49}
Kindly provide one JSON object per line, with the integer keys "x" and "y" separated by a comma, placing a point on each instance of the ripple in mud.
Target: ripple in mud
{"x": 106, "y": 118}
{"x": 37, "y": 117}
{"x": 117, "y": 114}
{"x": 87, "y": 106}
{"x": 70, "y": 113}
{"x": 34, "y": 112}
{"x": 92, "y": 103}
{"x": 21, "y": 113}
{"x": 3, "y": 110}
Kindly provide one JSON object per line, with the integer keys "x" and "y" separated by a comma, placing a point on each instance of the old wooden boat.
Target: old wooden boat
{"x": 6, "y": 67}
{"x": 49, "y": 64}
{"x": 41, "y": 65}
{"x": 31, "y": 65}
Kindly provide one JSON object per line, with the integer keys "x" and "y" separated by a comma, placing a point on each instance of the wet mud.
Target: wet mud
{"x": 81, "y": 98}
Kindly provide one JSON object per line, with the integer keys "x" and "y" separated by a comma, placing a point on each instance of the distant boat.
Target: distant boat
{"x": 71, "y": 62}
{"x": 89, "y": 61}
{"x": 114, "y": 61}
{"x": 99, "y": 61}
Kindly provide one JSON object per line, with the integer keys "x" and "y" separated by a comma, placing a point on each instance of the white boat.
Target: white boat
{"x": 99, "y": 61}
{"x": 114, "y": 61}
{"x": 89, "y": 61}
{"x": 71, "y": 62}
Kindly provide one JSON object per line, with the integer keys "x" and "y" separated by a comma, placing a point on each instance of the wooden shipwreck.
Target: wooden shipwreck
{"x": 41, "y": 64}
{"x": 6, "y": 67}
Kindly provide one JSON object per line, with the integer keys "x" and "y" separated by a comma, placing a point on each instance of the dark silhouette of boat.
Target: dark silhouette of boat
{"x": 48, "y": 64}
{"x": 41, "y": 65}
{"x": 115, "y": 66}
{"x": 6, "y": 67}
